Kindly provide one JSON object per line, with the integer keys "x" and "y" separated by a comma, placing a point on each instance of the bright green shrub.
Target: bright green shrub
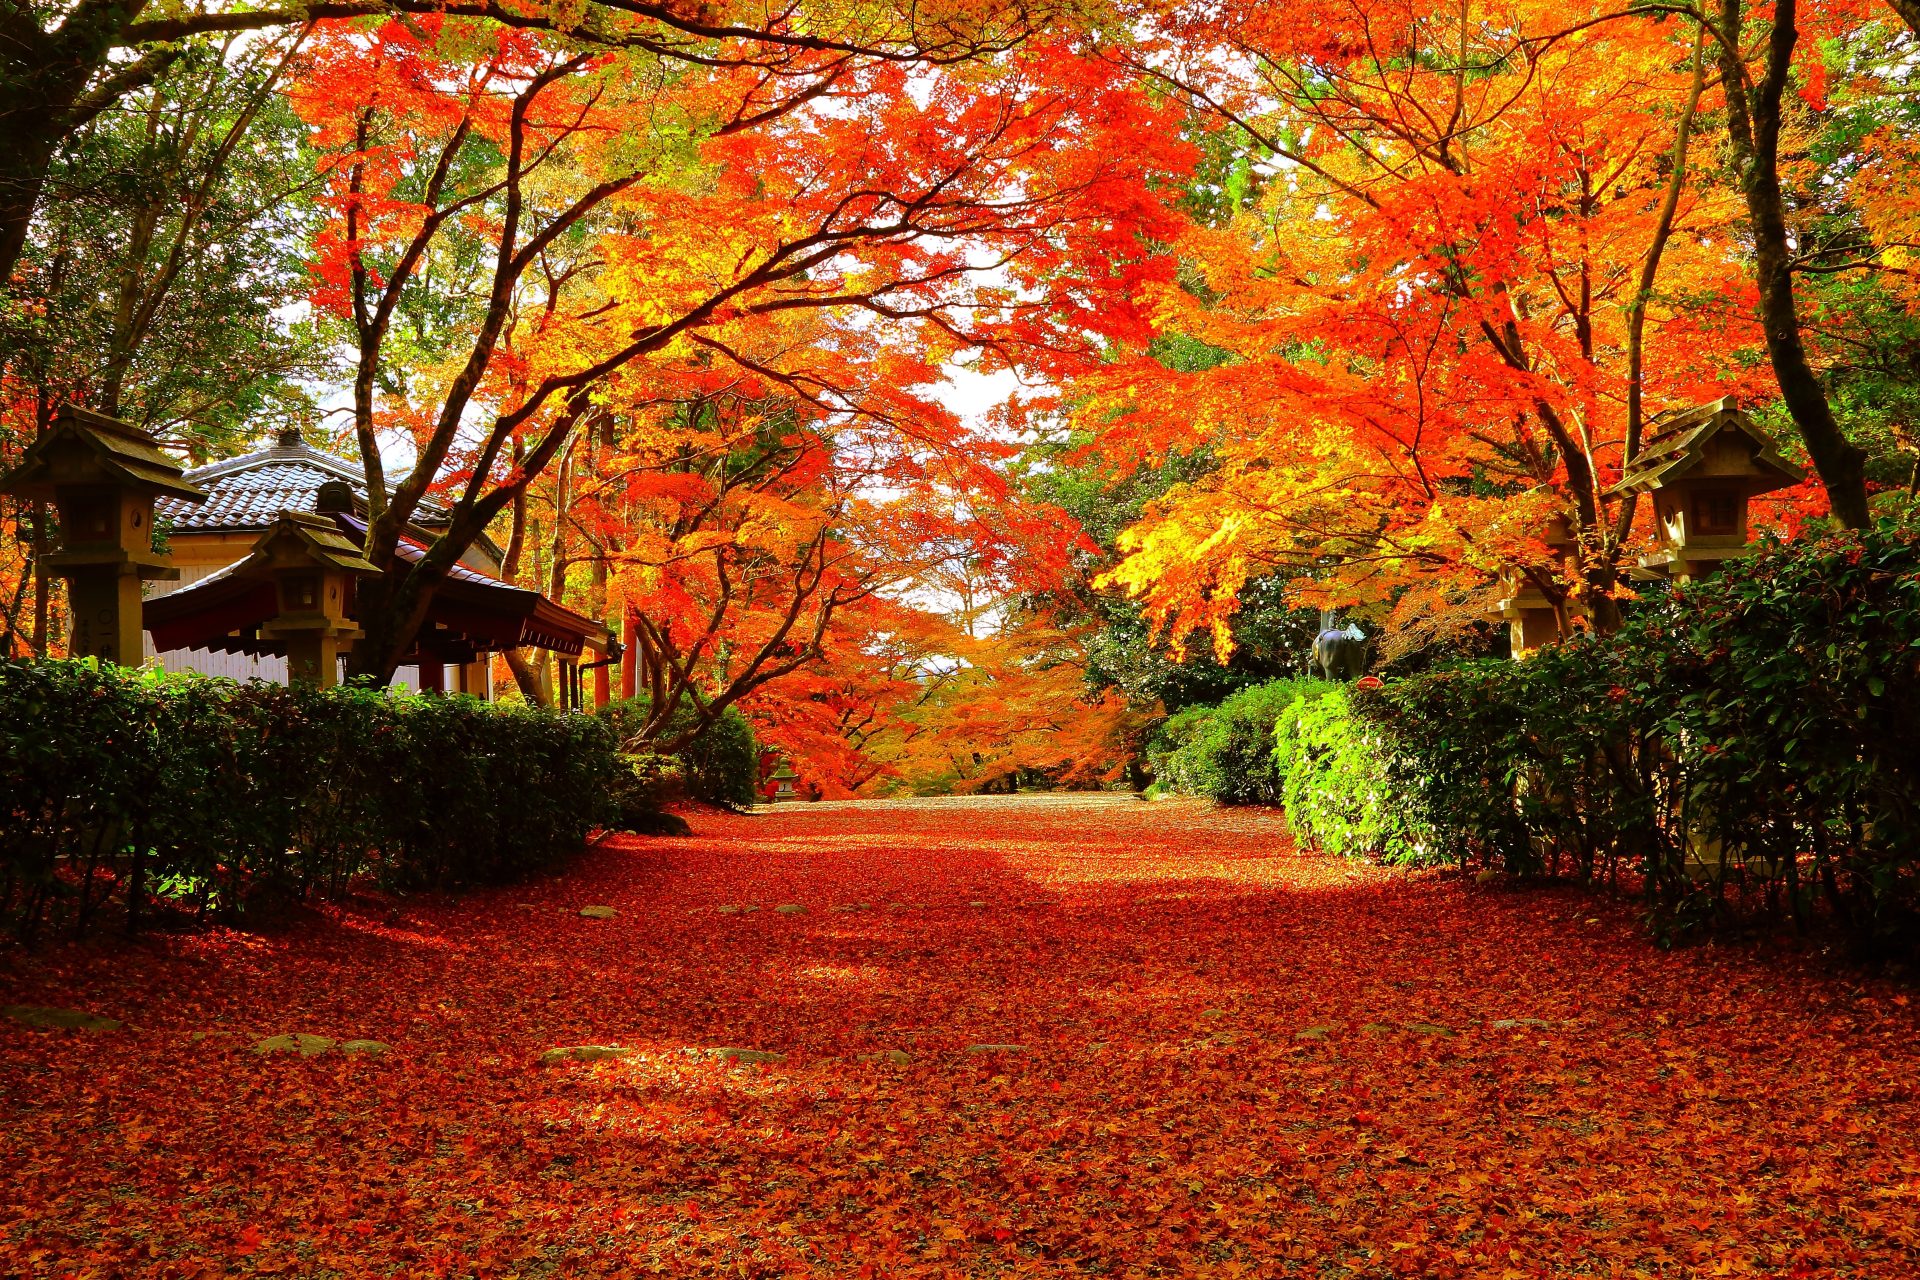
{"x": 1334, "y": 782}
{"x": 215, "y": 794}
{"x": 1226, "y": 752}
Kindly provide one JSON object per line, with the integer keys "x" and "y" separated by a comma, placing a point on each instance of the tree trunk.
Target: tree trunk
{"x": 31, "y": 127}
{"x": 1753, "y": 127}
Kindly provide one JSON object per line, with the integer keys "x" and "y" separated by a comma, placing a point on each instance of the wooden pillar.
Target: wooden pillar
{"x": 313, "y": 657}
{"x": 433, "y": 676}
{"x": 602, "y": 684}
{"x": 569, "y": 673}
{"x": 103, "y": 602}
{"x": 473, "y": 679}
{"x": 630, "y": 659}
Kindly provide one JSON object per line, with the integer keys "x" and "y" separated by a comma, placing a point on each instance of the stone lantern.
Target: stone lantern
{"x": 1532, "y": 619}
{"x": 783, "y": 782}
{"x": 1701, "y": 467}
{"x": 313, "y": 567}
{"x": 102, "y": 476}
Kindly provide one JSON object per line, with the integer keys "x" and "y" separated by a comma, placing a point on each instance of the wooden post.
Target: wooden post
{"x": 630, "y": 659}
{"x": 433, "y": 676}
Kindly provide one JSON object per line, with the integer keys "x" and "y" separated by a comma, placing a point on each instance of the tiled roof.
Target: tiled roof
{"x": 1675, "y": 442}
{"x": 248, "y": 492}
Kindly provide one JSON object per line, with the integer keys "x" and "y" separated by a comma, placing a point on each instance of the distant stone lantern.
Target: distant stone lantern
{"x": 783, "y": 782}
{"x": 1532, "y": 619}
{"x": 102, "y": 476}
{"x": 313, "y": 567}
{"x": 1702, "y": 467}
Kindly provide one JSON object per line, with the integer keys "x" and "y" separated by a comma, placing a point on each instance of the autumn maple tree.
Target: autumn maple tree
{"x": 518, "y": 226}
{"x": 1452, "y": 262}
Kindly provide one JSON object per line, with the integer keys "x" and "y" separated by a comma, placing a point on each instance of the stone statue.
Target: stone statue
{"x": 1340, "y": 653}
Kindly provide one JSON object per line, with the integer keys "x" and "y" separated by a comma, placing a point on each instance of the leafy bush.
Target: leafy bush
{"x": 1226, "y": 752}
{"x": 217, "y": 794}
{"x": 720, "y": 765}
{"x": 1333, "y": 782}
{"x": 643, "y": 787}
{"x": 1756, "y": 733}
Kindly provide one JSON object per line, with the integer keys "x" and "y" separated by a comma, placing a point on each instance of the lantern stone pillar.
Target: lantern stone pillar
{"x": 314, "y": 568}
{"x": 1701, "y": 468}
{"x": 102, "y": 476}
{"x": 1532, "y": 619}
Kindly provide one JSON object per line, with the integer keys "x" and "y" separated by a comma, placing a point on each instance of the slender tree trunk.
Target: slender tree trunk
{"x": 1753, "y": 127}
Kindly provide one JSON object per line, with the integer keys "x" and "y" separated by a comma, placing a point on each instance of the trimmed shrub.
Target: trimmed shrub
{"x": 643, "y": 787}
{"x": 720, "y": 765}
{"x": 1226, "y": 752}
{"x": 215, "y": 794}
{"x": 1334, "y": 782}
{"x": 1755, "y": 734}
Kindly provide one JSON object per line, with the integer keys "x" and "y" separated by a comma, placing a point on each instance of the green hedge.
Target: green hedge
{"x": 1226, "y": 752}
{"x": 721, "y": 765}
{"x": 123, "y": 784}
{"x": 1334, "y": 782}
{"x": 1753, "y": 737}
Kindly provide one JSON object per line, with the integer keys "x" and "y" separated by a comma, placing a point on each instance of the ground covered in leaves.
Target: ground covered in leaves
{"x": 1025, "y": 1037}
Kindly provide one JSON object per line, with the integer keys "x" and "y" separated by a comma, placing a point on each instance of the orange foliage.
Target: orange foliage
{"x": 1424, "y": 301}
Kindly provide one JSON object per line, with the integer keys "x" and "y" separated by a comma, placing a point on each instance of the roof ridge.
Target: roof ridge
{"x": 295, "y": 455}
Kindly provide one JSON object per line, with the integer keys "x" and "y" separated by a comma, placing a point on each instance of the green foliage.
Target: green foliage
{"x": 1121, "y": 651}
{"x": 719, "y": 765}
{"x": 169, "y": 253}
{"x": 1226, "y": 752}
{"x": 1756, "y": 734}
{"x": 643, "y": 786}
{"x": 117, "y": 782}
{"x": 1333, "y": 782}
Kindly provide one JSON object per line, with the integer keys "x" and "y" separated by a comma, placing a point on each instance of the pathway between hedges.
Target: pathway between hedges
{"x": 1020, "y": 1037}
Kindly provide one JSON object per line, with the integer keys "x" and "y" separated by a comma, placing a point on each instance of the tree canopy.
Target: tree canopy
{"x": 1308, "y": 307}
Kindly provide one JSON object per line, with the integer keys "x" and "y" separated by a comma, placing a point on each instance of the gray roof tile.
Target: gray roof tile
{"x": 248, "y": 492}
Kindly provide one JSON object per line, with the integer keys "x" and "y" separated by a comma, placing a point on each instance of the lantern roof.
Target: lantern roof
{"x": 119, "y": 451}
{"x": 319, "y": 537}
{"x": 1691, "y": 444}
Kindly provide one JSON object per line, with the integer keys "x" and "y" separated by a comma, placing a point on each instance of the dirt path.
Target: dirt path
{"x": 1219, "y": 1058}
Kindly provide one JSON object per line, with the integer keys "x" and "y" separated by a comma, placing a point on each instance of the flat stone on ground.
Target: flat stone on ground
{"x": 791, "y": 909}
{"x": 584, "y": 1053}
{"x": 372, "y": 1048}
{"x": 1429, "y": 1029}
{"x": 34, "y": 1015}
{"x": 730, "y": 1054}
{"x": 1316, "y": 1032}
{"x": 895, "y": 1057}
{"x": 996, "y": 1048}
{"x": 598, "y": 913}
{"x": 1510, "y": 1024}
{"x": 307, "y": 1046}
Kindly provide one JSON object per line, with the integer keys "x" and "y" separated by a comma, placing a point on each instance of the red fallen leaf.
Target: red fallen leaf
{"x": 1163, "y": 960}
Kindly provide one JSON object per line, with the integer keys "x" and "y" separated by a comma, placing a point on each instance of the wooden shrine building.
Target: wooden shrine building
{"x": 270, "y": 560}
